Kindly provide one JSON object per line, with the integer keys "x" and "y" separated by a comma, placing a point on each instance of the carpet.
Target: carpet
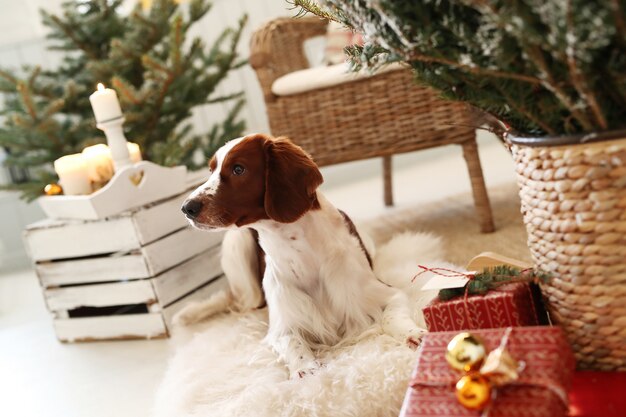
{"x": 221, "y": 368}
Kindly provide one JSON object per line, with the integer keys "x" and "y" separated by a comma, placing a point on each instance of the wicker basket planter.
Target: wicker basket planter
{"x": 573, "y": 193}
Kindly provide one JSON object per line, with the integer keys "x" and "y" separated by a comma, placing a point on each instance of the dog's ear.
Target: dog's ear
{"x": 291, "y": 180}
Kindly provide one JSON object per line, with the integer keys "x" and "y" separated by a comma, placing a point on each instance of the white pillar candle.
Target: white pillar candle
{"x": 99, "y": 163}
{"x": 134, "y": 152}
{"x": 105, "y": 104}
{"x": 109, "y": 118}
{"x": 73, "y": 176}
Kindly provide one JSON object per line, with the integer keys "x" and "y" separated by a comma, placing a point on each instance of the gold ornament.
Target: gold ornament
{"x": 53, "y": 189}
{"x": 473, "y": 391}
{"x": 466, "y": 352}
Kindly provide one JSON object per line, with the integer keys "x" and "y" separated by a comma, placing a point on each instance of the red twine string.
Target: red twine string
{"x": 440, "y": 271}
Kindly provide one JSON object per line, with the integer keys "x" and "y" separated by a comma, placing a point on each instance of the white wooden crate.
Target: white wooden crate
{"x": 139, "y": 308}
{"x": 123, "y": 277}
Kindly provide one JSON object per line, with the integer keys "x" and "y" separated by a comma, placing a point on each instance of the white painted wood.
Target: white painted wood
{"x": 200, "y": 294}
{"x": 100, "y": 295}
{"x": 53, "y": 239}
{"x": 178, "y": 247}
{"x": 130, "y": 326}
{"x": 178, "y": 281}
{"x": 92, "y": 270}
{"x": 159, "y": 220}
{"x": 61, "y": 239}
{"x": 120, "y": 194}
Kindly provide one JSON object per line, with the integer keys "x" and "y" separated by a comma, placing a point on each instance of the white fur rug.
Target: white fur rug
{"x": 224, "y": 370}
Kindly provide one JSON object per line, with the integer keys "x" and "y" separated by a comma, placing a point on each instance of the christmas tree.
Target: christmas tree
{"x": 543, "y": 67}
{"x": 158, "y": 74}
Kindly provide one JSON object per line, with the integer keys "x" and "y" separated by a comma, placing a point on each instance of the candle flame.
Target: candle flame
{"x": 100, "y": 87}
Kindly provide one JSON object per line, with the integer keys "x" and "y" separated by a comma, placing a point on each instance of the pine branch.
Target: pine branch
{"x": 308, "y": 6}
{"x": 620, "y": 27}
{"x": 227, "y": 97}
{"x": 67, "y": 30}
{"x": 578, "y": 80}
{"x": 8, "y": 77}
{"x": 474, "y": 70}
{"x": 526, "y": 112}
{"x": 492, "y": 278}
{"x": 27, "y": 99}
{"x": 127, "y": 92}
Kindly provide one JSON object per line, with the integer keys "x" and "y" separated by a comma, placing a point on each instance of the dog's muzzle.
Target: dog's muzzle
{"x": 192, "y": 208}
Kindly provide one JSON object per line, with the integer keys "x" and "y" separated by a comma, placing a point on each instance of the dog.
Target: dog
{"x": 288, "y": 247}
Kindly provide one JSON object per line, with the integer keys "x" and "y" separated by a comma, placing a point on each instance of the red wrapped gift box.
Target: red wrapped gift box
{"x": 540, "y": 391}
{"x": 511, "y": 305}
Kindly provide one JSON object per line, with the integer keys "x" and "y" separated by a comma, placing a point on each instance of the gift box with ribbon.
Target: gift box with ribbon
{"x": 509, "y": 372}
{"x": 508, "y": 301}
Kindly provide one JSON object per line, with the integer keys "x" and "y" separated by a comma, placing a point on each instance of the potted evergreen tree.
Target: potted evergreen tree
{"x": 554, "y": 75}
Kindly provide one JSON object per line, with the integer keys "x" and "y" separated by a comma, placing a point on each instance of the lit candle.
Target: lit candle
{"x": 105, "y": 104}
{"x": 134, "y": 151}
{"x": 109, "y": 119}
{"x": 73, "y": 175}
{"x": 99, "y": 163}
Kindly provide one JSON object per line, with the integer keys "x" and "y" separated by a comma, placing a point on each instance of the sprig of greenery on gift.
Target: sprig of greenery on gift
{"x": 159, "y": 75}
{"x": 543, "y": 67}
{"x": 492, "y": 278}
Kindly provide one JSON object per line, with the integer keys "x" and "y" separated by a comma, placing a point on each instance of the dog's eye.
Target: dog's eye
{"x": 238, "y": 169}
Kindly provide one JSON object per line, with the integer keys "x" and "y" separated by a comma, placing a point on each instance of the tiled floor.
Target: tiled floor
{"x": 40, "y": 377}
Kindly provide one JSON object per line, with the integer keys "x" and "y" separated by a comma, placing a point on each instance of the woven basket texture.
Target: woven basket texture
{"x": 574, "y": 206}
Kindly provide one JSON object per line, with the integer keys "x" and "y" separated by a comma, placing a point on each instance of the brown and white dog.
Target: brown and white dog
{"x": 289, "y": 247}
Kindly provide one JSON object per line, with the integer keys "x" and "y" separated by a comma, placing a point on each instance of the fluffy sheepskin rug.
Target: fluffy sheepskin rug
{"x": 221, "y": 367}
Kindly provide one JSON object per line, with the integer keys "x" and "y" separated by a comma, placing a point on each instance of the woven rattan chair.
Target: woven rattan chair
{"x": 377, "y": 116}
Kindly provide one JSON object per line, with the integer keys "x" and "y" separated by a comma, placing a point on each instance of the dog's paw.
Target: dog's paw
{"x": 414, "y": 338}
{"x": 302, "y": 369}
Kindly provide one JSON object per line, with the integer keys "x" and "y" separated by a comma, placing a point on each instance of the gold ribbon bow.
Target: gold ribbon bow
{"x": 483, "y": 371}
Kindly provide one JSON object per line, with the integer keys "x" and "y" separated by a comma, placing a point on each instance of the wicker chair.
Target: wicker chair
{"x": 374, "y": 117}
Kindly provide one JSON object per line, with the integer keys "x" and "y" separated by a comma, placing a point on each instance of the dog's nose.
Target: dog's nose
{"x": 192, "y": 208}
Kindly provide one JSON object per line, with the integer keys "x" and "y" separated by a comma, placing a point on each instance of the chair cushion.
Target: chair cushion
{"x": 322, "y": 77}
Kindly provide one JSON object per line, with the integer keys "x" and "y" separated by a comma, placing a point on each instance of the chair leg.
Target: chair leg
{"x": 481, "y": 199}
{"x": 387, "y": 181}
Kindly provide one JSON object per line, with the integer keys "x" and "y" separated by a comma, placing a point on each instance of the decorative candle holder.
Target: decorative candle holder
{"x": 132, "y": 185}
{"x": 117, "y": 142}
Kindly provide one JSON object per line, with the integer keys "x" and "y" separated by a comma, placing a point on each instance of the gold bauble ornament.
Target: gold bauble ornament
{"x": 53, "y": 189}
{"x": 466, "y": 352}
{"x": 473, "y": 391}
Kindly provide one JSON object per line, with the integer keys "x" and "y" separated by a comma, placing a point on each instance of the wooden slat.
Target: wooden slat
{"x": 61, "y": 239}
{"x": 200, "y": 294}
{"x": 131, "y": 326}
{"x": 53, "y": 239}
{"x": 178, "y": 281}
{"x": 159, "y": 220}
{"x": 100, "y": 295}
{"x": 91, "y": 270}
{"x": 177, "y": 248}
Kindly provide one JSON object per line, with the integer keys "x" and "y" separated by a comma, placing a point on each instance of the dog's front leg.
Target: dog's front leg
{"x": 295, "y": 353}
